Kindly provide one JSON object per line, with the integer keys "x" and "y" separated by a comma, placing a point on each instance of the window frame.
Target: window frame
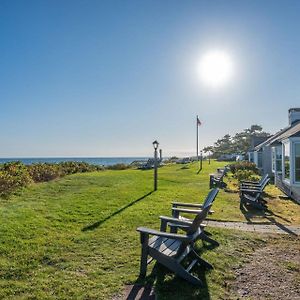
{"x": 295, "y": 144}
{"x": 276, "y": 151}
{"x": 284, "y": 143}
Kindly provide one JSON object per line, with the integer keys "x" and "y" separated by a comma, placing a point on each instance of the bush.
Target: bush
{"x": 241, "y": 175}
{"x": 13, "y": 176}
{"x": 44, "y": 172}
{"x": 118, "y": 167}
{"x": 243, "y": 165}
{"x": 72, "y": 167}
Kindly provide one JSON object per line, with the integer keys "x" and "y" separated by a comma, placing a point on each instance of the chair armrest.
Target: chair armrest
{"x": 189, "y": 211}
{"x": 175, "y": 220}
{"x": 249, "y": 181}
{"x": 250, "y": 190}
{"x": 185, "y": 210}
{"x": 250, "y": 186}
{"x": 175, "y": 204}
{"x": 175, "y": 236}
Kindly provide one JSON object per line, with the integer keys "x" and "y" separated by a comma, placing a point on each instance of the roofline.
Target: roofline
{"x": 271, "y": 138}
{"x": 279, "y": 140}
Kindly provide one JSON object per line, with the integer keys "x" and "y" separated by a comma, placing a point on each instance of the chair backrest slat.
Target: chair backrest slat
{"x": 210, "y": 197}
{"x": 263, "y": 179}
{"x": 265, "y": 183}
{"x": 200, "y": 217}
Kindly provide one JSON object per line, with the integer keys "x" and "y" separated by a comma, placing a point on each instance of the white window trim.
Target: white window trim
{"x": 274, "y": 158}
{"x": 295, "y": 141}
{"x": 284, "y": 142}
{"x": 273, "y": 153}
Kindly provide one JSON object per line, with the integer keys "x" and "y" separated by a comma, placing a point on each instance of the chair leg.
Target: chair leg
{"x": 202, "y": 261}
{"x": 206, "y": 238}
{"x": 144, "y": 255}
{"x": 181, "y": 272}
{"x": 173, "y": 265}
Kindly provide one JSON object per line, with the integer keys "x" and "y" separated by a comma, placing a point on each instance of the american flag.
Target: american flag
{"x": 198, "y": 122}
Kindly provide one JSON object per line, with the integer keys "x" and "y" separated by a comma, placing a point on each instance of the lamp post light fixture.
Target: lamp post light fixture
{"x": 155, "y": 146}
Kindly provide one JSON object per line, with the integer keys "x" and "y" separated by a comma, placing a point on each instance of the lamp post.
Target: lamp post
{"x": 155, "y": 146}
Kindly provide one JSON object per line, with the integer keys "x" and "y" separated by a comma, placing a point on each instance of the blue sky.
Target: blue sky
{"x": 106, "y": 78}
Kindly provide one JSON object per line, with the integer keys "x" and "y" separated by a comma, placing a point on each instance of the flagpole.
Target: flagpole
{"x": 197, "y": 138}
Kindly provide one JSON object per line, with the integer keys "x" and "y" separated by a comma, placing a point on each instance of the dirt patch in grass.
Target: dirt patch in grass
{"x": 273, "y": 272}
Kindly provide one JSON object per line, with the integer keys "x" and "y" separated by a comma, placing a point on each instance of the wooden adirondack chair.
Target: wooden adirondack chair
{"x": 252, "y": 195}
{"x": 254, "y": 184}
{"x": 216, "y": 180}
{"x": 171, "y": 249}
{"x": 196, "y": 209}
{"x": 177, "y": 207}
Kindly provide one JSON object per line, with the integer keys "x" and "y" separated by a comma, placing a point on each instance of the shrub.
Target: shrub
{"x": 241, "y": 175}
{"x": 13, "y": 176}
{"x": 44, "y": 172}
{"x": 118, "y": 167}
{"x": 243, "y": 165}
{"x": 72, "y": 167}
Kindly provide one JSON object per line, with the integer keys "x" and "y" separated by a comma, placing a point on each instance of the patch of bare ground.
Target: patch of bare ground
{"x": 273, "y": 272}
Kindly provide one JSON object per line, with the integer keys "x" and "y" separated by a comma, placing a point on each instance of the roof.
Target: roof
{"x": 287, "y": 132}
{"x": 294, "y": 130}
{"x": 294, "y": 109}
{"x": 257, "y": 140}
{"x": 284, "y": 133}
{"x": 270, "y": 139}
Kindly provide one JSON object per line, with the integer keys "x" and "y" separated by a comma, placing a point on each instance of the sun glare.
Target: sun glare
{"x": 215, "y": 68}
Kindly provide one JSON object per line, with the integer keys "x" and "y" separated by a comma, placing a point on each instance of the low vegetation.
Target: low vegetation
{"x": 75, "y": 238}
{"x": 244, "y": 170}
{"x": 16, "y": 175}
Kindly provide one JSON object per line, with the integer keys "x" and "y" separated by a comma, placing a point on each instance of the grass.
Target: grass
{"x": 75, "y": 238}
{"x": 279, "y": 211}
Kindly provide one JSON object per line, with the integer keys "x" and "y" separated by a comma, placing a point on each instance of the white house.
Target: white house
{"x": 280, "y": 156}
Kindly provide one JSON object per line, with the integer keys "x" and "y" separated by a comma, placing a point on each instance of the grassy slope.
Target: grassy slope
{"x": 75, "y": 238}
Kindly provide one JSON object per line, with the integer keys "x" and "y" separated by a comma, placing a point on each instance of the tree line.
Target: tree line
{"x": 239, "y": 143}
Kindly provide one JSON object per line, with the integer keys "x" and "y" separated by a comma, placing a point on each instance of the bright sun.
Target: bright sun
{"x": 215, "y": 68}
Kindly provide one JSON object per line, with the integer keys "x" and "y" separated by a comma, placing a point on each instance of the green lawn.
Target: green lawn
{"x": 75, "y": 238}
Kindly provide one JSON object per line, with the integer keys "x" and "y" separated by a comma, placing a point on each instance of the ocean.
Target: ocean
{"x": 104, "y": 161}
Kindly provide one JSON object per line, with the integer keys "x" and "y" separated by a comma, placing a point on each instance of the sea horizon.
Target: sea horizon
{"x": 105, "y": 161}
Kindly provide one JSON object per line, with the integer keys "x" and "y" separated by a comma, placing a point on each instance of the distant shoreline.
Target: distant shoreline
{"x": 103, "y": 161}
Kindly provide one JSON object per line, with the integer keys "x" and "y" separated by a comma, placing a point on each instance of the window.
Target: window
{"x": 297, "y": 162}
{"x": 251, "y": 156}
{"x": 278, "y": 157}
{"x": 287, "y": 161}
{"x": 273, "y": 159}
{"x": 259, "y": 159}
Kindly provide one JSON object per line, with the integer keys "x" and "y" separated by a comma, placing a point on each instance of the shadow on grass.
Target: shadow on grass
{"x": 100, "y": 222}
{"x": 200, "y": 169}
{"x": 163, "y": 283}
{"x": 250, "y": 212}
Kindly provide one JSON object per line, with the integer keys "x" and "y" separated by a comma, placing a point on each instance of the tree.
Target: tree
{"x": 239, "y": 143}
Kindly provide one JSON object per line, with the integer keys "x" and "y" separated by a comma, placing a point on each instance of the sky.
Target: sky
{"x": 107, "y": 78}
